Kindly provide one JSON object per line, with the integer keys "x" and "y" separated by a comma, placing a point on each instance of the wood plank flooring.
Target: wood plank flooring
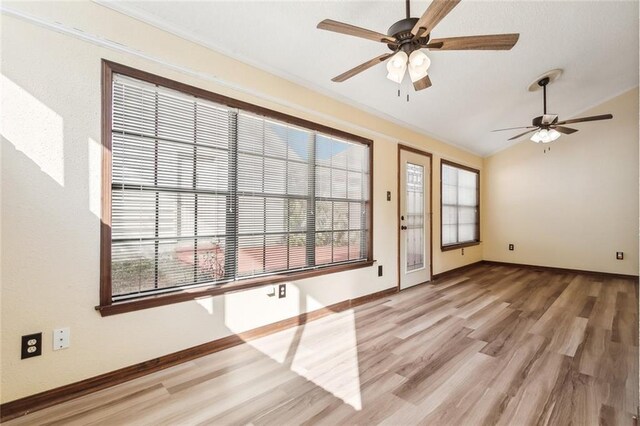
{"x": 493, "y": 345}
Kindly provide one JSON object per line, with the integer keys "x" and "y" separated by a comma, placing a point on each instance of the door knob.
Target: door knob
{"x": 403, "y": 227}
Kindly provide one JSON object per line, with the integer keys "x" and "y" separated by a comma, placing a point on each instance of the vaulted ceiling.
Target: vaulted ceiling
{"x": 473, "y": 92}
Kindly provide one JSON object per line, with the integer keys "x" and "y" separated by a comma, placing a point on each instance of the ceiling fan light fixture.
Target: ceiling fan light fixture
{"x": 545, "y": 136}
{"x": 552, "y": 135}
{"x": 395, "y": 77}
{"x": 418, "y": 65}
{"x": 419, "y": 60}
{"x": 397, "y": 66}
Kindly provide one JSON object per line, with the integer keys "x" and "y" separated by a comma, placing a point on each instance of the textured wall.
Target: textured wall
{"x": 574, "y": 206}
{"x": 51, "y": 196}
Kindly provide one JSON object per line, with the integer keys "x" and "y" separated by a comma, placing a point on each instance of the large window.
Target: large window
{"x": 209, "y": 193}
{"x": 460, "y": 205}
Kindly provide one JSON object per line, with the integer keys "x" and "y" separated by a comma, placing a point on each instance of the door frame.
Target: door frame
{"x": 401, "y": 148}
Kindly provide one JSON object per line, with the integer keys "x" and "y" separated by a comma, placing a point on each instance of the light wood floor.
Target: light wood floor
{"x": 493, "y": 345}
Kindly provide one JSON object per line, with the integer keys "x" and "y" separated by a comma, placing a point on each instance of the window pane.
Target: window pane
{"x": 276, "y": 215}
{"x": 212, "y": 126}
{"x": 323, "y": 151}
{"x": 356, "y": 245}
{"x": 414, "y": 237}
{"x": 324, "y": 215}
{"x": 251, "y": 255}
{"x": 356, "y": 213}
{"x": 297, "y": 179}
{"x": 467, "y": 179}
{"x": 276, "y": 253}
{"x": 467, "y": 232}
{"x": 275, "y": 139}
{"x": 340, "y": 216}
{"x": 297, "y": 251}
{"x": 449, "y": 234}
{"x": 466, "y": 215}
{"x": 459, "y": 205}
{"x": 175, "y": 118}
{"x": 250, "y": 173}
{"x": 340, "y": 246}
{"x": 324, "y": 246}
{"x": 323, "y": 182}
{"x": 276, "y": 183}
{"x": 297, "y": 215}
{"x": 449, "y": 175}
{"x": 449, "y": 215}
{"x": 354, "y": 187}
{"x": 338, "y": 183}
{"x": 449, "y": 194}
{"x": 467, "y": 196}
{"x": 250, "y": 134}
{"x": 357, "y": 157}
{"x": 251, "y": 215}
{"x": 211, "y": 259}
{"x": 299, "y": 141}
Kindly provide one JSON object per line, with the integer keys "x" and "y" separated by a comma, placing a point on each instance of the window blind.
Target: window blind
{"x": 206, "y": 194}
{"x": 459, "y": 205}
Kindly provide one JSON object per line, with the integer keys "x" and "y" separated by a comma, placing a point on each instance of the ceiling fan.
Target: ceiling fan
{"x": 408, "y": 36}
{"x": 547, "y": 128}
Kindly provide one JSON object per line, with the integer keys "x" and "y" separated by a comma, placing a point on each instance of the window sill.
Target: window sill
{"x": 191, "y": 294}
{"x": 459, "y": 246}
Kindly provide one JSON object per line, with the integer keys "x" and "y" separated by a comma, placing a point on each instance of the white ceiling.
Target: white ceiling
{"x": 594, "y": 42}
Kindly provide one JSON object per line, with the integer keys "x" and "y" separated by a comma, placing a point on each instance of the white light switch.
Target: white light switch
{"x": 61, "y": 338}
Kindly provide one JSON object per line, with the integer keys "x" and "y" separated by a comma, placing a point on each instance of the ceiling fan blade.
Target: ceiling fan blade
{"x": 522, "y": 134}
{"x": 481, "y": 42}
{"x": 341, "y": 27}
{"x": 583, "y": 119}
{"x": 357, "y": 70}
{"x": 436, "y": 11}
{"x": 515, "y": 128}
{"x": 434, "y": 45}
{"x": 423, "y": 83}
{"x": 565, "y": 130}
{"x": 549, "y": 118}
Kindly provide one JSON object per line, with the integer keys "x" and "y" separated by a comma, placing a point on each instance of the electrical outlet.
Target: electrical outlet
{"x": 282, "y": 291}
{"x": 619, "y": 255}
{"x": 61, "y": 338}
{"x": 511, "y": 247}
{"x": 379, "y": 270}
{"x": 31, "y": 345}
{"x": 388, "y": 195}
{"x": 462, "y": 251}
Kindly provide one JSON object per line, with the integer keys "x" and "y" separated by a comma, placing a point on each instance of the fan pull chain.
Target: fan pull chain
{"x": 407, "y": 94}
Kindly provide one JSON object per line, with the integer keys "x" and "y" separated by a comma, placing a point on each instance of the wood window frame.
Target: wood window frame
{"x": 476, "y": 242}
{"x": 107, "y": 306}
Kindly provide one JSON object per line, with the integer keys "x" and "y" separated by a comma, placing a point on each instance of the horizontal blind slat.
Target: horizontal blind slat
{"x": 174, "y": 221}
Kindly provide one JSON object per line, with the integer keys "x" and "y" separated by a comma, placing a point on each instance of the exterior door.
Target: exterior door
{"x": 415, "y": 227}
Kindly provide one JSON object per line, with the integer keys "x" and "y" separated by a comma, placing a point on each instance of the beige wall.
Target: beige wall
{"x": 574, "y": 206}
{"x": 51, "y": 194}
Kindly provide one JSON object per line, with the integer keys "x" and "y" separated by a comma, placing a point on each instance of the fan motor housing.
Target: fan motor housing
{"x": 537, "y": 121}
{"x": 401, "y": 30}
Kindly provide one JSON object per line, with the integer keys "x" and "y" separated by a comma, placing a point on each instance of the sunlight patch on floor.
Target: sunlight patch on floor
{"x": 323, "y": 351}
{"x": 329, "y": 358}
